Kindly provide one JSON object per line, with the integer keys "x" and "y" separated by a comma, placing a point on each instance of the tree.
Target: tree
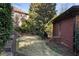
{"x": 42, "y": 11}
{"x": 5, "y": 23}
{"x": 40, "y": 14}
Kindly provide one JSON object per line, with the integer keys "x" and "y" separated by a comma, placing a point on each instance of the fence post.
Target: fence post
{"x": 14, "y": 44}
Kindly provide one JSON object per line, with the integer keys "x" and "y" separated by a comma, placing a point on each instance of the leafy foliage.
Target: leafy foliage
{"x": 40, "y": 14}
{"x": 5, "y": 23}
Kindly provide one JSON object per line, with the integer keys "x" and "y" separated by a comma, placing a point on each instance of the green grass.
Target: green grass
{"x": 33, "y": 46}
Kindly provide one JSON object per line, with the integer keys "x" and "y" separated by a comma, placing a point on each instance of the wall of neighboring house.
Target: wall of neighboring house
{"x": 18, "y": 17}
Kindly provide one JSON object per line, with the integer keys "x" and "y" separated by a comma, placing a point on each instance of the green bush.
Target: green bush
{"x": 5, "y": 23}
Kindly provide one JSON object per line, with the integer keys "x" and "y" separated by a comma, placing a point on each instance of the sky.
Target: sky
{"x": 23, "y": 6}
{"x": 60, "y": 6}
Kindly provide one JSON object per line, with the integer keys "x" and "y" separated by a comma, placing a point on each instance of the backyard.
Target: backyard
{"x": 31, "y": 34}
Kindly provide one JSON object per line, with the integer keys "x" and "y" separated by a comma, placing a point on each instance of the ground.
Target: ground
{"x": 34, "y": 46}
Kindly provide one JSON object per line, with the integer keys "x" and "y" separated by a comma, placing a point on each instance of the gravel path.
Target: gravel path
{"x": 33, "y": 46}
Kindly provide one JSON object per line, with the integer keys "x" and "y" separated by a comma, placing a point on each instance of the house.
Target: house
{"x": 66, "y": 28}
{"x": 18, "y": 16}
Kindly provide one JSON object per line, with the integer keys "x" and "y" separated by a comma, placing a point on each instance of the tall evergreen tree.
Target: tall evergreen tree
{"x": 40, "y": 14}
{"x": 42, "y": 11}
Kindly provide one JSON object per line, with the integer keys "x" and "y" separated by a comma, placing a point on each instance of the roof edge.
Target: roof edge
{"x": 70, "y": 12}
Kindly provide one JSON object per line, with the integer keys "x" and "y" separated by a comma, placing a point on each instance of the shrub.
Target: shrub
{"x": 5, "y": 23}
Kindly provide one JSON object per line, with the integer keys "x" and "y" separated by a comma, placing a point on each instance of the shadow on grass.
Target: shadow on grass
{"x": 64, "y": 51}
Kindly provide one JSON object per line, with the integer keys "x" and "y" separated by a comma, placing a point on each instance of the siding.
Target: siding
{"x": 65, "y": 32}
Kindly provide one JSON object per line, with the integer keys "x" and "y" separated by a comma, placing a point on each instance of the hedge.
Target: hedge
{"x": 6, "y": 25}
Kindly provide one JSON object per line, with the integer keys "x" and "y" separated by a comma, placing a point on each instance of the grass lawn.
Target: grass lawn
{"x": 33, "y": 46}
